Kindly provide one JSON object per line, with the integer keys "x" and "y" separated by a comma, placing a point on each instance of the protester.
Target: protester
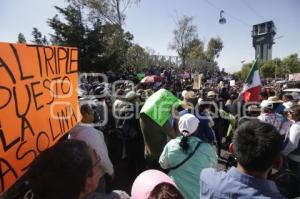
{"x": 205, "y": 132}
{"x": 157, "y": 128}
{"x": 268, "y": 115}
{"x": 186, "y": 156}
{"x": 215, "y": 89}
{"x": 95, "y": 139}
{"x": 288, "y": 101}
{"x": 231, "y": 103}
{"x": 189, "y": 105}
{"x": 133, "y": 137}
{"x": 154, "y": 184}
{"x": 296, "y": 97}
{"x": 277, "y": 104}
{"x": 256, "y": 146}
{"x": 68, "y": 170}
{"x": 252, "y": 112}
{"x": 189, "y": 98}
{"x": 292, "y": 146}
{"x": 263, "y": 95}
{"x": 165, "y": 191}
{"x": 224, "y": 122}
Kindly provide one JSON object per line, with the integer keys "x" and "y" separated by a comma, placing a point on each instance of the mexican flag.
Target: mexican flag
{"x": 252, "y": 85}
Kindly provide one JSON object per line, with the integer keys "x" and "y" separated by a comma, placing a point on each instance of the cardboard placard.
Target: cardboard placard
{"x": 294, "y": 77}
{"x": 38, "y": 103}
{"x": 232, "y": 83}
{"x": 197, "y": 81}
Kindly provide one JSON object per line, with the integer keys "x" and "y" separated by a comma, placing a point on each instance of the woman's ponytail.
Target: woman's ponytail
{"x": 184, "y": 143}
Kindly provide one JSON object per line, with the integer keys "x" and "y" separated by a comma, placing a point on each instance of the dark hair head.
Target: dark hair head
{"x": 264, "y": 94}
{"x": 256, "y": 145}
{"x": 288, "y": 97}
{"x": 86, "y": 109}
{"x": 61, "y": 171}
{"x": 203, "y": 106}
{"x": 295, "y": 111}
{"x": 272, "y": 93}
{"x": 165, "y": 190}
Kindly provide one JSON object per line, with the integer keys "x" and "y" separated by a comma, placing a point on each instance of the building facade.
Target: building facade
{"x": 263, "y": 39}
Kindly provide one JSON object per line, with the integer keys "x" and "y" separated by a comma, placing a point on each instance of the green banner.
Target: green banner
{"x": 140, "y": 76}
{"x": 159, "y": 106}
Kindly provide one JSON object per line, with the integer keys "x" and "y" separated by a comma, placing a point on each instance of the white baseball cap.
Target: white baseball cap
{"x": 188, "y": 124}
{"x": 266, "y": 104}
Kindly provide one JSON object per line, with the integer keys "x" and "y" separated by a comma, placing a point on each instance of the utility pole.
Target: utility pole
{"x": 275, "y": 69}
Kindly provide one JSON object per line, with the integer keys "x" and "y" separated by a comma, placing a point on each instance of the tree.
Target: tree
{"x": 237, "y": 75}
{"x": 38, "y": 37}
{"x": 267, "y": 70}
{"x": 21, "y": 38}
{"x": 278, "y": 69}
{"x": 245, "y": 70}
{"x": 137, "y": 57}
{"x": 195, "y": 49}
{"x": 97, "y": 41}
{"x": 190, "y": 48}
{"x": 113, "y": 52}
{"x": 184, "y": 34}
{"x": 113, "y": 12}
{"x": 70, "y": 31}
{"x": 215, "y": 45}
{"x": 275, "y": 68}
{"x": 291, "y": 64}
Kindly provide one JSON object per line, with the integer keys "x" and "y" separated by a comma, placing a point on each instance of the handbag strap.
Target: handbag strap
{"x": 186, "y": 159}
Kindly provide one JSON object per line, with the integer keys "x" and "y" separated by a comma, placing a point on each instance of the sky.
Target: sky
{"x": 152, "y": 23}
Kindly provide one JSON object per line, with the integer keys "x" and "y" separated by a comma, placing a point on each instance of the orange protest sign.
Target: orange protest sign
{"x": 38, "y": 103}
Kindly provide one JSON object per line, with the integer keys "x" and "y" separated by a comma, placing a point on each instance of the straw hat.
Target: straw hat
{"x": 211, "y": 94}
{"x": 274, "y": 99}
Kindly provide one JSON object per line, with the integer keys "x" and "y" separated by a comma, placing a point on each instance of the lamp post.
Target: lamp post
{"x": 276, "y": 63}
{"x": 275, "y": 69}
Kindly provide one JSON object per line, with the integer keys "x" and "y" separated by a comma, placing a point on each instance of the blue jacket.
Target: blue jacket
{"x": 204, "y": 132}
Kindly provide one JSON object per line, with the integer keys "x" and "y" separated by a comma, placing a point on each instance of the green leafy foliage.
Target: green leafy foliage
{"x": 275, "y": 68}
{"x": 137, "y": 57}
{"x": 191, "y": 49}
{"x": 38, "y": 37}
{"x": 184, "y": 34}
{"x": 215, "y": 45}
{"x": 98, "y": 43}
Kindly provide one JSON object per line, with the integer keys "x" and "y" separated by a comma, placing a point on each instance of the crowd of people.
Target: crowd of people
{"x": 178, "y": 159}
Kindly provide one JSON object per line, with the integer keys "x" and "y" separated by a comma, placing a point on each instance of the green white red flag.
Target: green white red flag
{"x": 252, "y": 85}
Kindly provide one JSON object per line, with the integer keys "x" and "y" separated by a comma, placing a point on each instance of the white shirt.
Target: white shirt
{"x": 293, "y": 138}
{"x": 288, "y": 104}
{"x": 276, "y": 120}
{"x": 95, "y": 139}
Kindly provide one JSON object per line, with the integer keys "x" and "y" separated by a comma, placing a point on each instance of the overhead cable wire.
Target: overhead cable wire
{"x": 253, "y": 10}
